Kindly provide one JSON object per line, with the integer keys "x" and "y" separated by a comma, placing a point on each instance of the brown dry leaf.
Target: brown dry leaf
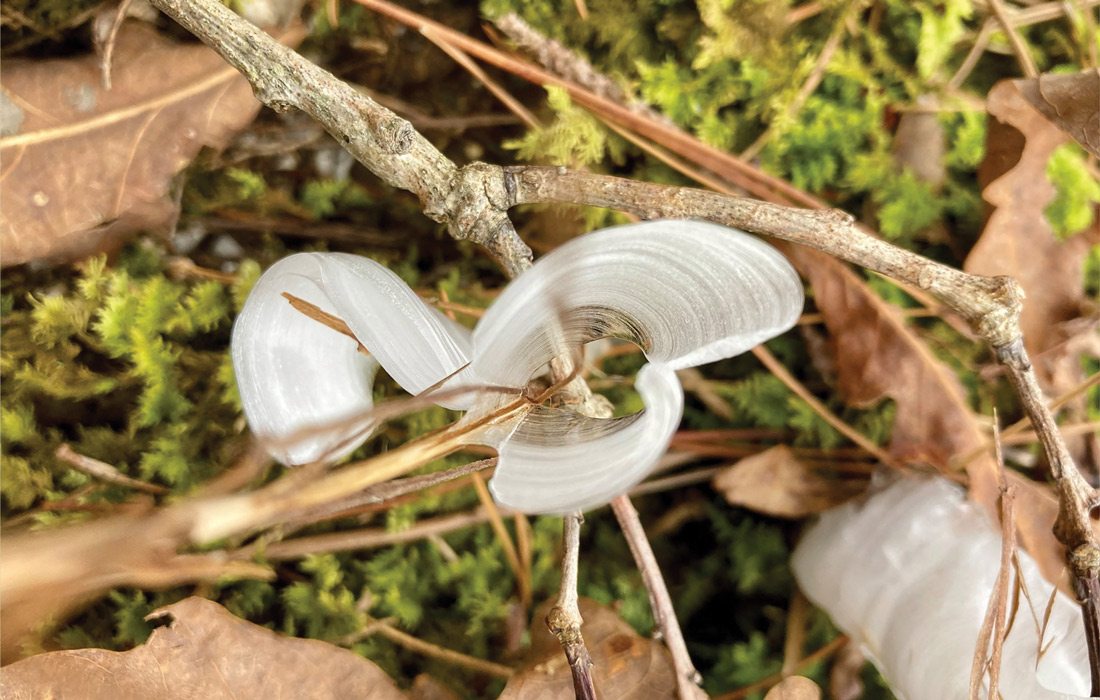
{"x": 1017, "y": 240}
{"x": 1071, "y": 102}
{"x": 794, "y": 688}
{"x": 624, "y": 665}
{"x": 83, "y": 166}
{"x": 879, "y": 356}
{"x": 206, "y": 652}
{"x": 775, "y": 482}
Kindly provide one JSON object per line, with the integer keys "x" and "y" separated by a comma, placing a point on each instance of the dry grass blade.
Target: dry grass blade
{"x": 994, "y": 627}
{"x": 324, "y": 318}
{"x": 505, "y": 539}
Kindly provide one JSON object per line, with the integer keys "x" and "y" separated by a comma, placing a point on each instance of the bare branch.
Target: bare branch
{"x": 384, "y": 142}
{"x": 564, "y": 619}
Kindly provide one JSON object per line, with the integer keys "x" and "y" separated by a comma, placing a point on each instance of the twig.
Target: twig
{"x": 564, "y": 619}
{"x": 104, "y": 472}
{"x": 387, "y": 144}
{"x": 993, "y": 629}
{"x": 1027, "y": 63}
{"x": 687, "y": 678}
{"x": 437, "y": 652}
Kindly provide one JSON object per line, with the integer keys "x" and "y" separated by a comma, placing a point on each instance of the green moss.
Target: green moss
{"x": 1077, "y": 192}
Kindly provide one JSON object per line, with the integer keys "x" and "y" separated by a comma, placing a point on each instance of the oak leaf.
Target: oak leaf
{"x": 624, "y": 665}
{"x": 205, "y": 652}
{"x": 84, "y": 166}
{"x": 1017, "y": 239}
{"x": 1070, "y": 102}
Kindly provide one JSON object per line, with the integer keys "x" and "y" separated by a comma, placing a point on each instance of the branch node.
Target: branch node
{"x": 393, "y": 134}
{"x": 1085, "y": 561}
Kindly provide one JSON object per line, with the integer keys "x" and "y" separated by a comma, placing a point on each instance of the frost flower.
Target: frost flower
{"x": 908, "y": 573}
{"x": 685, "y": 292}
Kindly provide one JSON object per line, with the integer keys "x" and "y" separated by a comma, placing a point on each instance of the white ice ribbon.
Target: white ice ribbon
{"x": 685, "y": 292}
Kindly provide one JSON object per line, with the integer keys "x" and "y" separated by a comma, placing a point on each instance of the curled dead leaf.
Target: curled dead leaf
{"x": 775, "y": 482}
{"x": 624, "y": 665}
{"x": 794, "y": 688}
{"x": 84, "y": 166}
{"x": 1070, "y": 102}
{"x": 205, "y": 652}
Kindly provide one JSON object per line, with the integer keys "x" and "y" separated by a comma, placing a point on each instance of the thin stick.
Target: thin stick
{"x": 687, "y": 678}
{"x": 104, "y": 472}
{"x": 776, "y": 367}
{"x": 1027, "y": 63}
{"x": 437, "y": 652}
{"x": 564, "y": 619}
{"x": 993, "y": 628}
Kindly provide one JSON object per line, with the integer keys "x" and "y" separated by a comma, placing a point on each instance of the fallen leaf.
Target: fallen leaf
{"x": 205, "y": 652}
{"x": 794, "y": 688}
{"x": 775, "y": 482}
{"x": 878, "y": 356}
{"x": 624, "y": 665}
{"x": 84, "y": 166}
{"x": 1070, "y": 102}
{"x": 1017, "y": 240}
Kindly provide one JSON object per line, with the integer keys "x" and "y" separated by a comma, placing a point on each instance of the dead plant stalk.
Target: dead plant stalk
{"x": 473, "y": 202}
